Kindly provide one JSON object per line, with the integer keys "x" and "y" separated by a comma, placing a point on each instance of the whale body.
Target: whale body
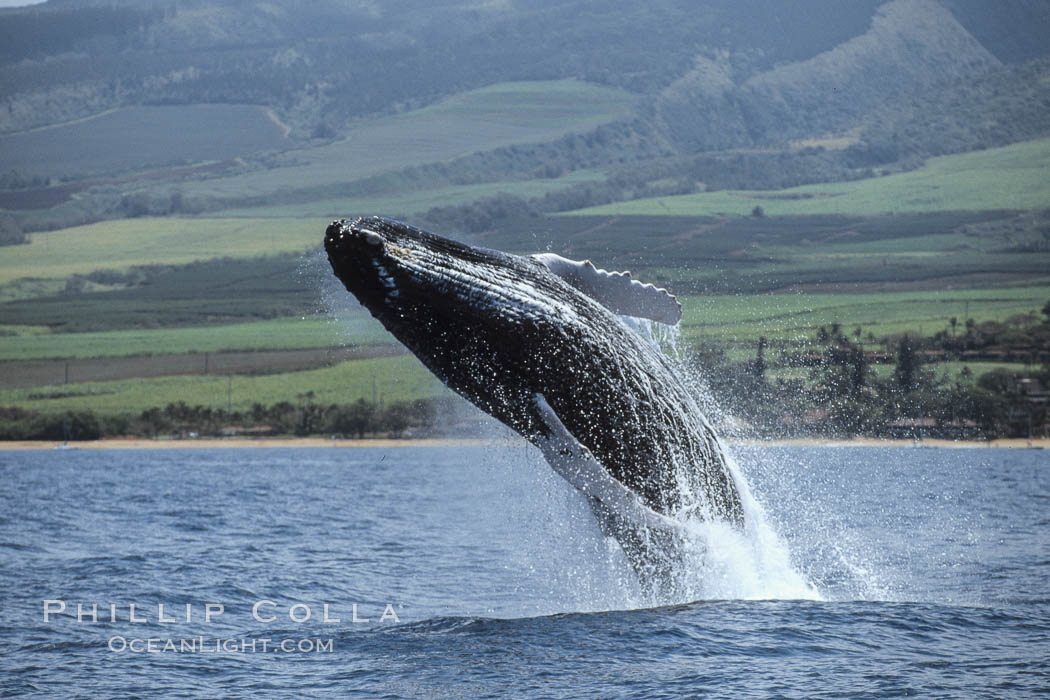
{"x": 539, "y": 343}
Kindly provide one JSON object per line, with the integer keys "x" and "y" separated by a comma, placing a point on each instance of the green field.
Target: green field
{"x": 728, "y": 320}
{"x": 953, "y": 371}
{"x": 149, "y": 136}
{"x": 818, "y": 253}
{"x": 396, "y": 378}
{"x": 909, "y": 271}
{"x": 740, "y": 320}
{"x": 1009, "y": 178}
{"x": 279, "y": 334}
{"x": 536, "y": 104}
{"x": 154, "y": 241}
{"x": 418, "y": 201}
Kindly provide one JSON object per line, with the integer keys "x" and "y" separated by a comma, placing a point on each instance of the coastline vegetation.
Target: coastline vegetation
{"x": 360, "y": 419}
{"x": 947, "y": 385}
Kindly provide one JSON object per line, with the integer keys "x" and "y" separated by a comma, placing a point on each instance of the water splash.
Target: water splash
{"x": 568, "y": 565}
{"x": 722, "y": 561}
{"x": 753, "y": 563}
{"x": 719, "y": 562}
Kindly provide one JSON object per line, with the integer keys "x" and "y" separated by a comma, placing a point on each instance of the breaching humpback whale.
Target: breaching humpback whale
{"x": 538, "y": 342}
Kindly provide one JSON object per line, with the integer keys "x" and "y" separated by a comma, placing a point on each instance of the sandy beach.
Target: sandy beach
{"x": 213, "y": 443}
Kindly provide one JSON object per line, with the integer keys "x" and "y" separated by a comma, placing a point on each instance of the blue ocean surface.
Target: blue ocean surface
{"x": 476, "y": 572}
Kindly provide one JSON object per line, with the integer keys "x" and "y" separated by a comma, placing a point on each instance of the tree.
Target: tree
{"x": 11, "y": 232}
{"x": 357, "y": 418}
{"x": 907, "y": 371}
{"x": 997, "y": 381}
{"x": 758, "y": 367}
{"x": 858, "y": 370}
{"x": 396, "y": 418}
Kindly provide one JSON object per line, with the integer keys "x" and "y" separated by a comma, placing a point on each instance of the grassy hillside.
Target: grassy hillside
{"x": 538, "y": 105}
{"x": 233, "y": 132}
{"x": 1013, "y": 177}
{"x": 325, "y": 62}
{"x": 480, "y": 120}
{"x": 375, "y": 167}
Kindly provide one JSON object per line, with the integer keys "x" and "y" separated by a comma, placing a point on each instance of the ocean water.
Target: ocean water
{"x": 475, "y": 572}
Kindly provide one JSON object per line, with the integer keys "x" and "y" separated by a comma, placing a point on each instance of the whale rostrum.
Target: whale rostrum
{"x": 538, "y": 342}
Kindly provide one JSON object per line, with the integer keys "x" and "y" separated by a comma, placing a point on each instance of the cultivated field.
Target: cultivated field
{"x": 741, "y": 319}
{"x": 693, "y": 254}
{"x": 320, "y": 331}
{"x": 418, "y": 201}
{"x": 392, "y": 378}
{"x": 726, "y": 319}
{"x": 51, "y": 373}
{"x": 121, "y": 244}
{"x": 148, "y": 137}
{"x": 902, "y": 253}
{"x": 480, "y": 120}
{"x": 1010, "y": 178}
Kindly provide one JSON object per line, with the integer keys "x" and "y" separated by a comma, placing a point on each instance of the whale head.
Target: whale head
{"x": 482, "y": 320}
{"x": 414, "y": 281}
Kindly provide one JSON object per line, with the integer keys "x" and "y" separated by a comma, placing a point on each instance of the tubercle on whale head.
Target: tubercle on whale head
{"x": 375, "y": 259}
{"x": 355, "y": 253}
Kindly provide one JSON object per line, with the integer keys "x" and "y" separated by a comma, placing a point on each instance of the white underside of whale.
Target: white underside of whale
{"x": 571, "y": 460}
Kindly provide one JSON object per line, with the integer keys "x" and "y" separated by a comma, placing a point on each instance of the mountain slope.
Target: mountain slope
{"x": 913, "y": 46}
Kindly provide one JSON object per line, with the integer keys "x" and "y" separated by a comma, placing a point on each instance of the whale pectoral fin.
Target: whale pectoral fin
{"x": 615, "y": 290}
{"x": 576, "y": 464}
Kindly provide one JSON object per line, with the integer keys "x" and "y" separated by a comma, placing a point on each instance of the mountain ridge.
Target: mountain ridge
{"x": 911, "y": 47}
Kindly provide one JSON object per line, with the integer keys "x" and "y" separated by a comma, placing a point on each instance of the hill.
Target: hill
{"x": 343, "y": 103}
{"x": 911, "y": 47}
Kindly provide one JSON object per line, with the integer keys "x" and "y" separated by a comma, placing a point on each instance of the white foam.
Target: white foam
{"x": 753, "y": 563}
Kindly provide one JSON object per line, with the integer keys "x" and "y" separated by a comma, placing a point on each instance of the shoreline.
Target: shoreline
{"x": 387, "y": 443}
